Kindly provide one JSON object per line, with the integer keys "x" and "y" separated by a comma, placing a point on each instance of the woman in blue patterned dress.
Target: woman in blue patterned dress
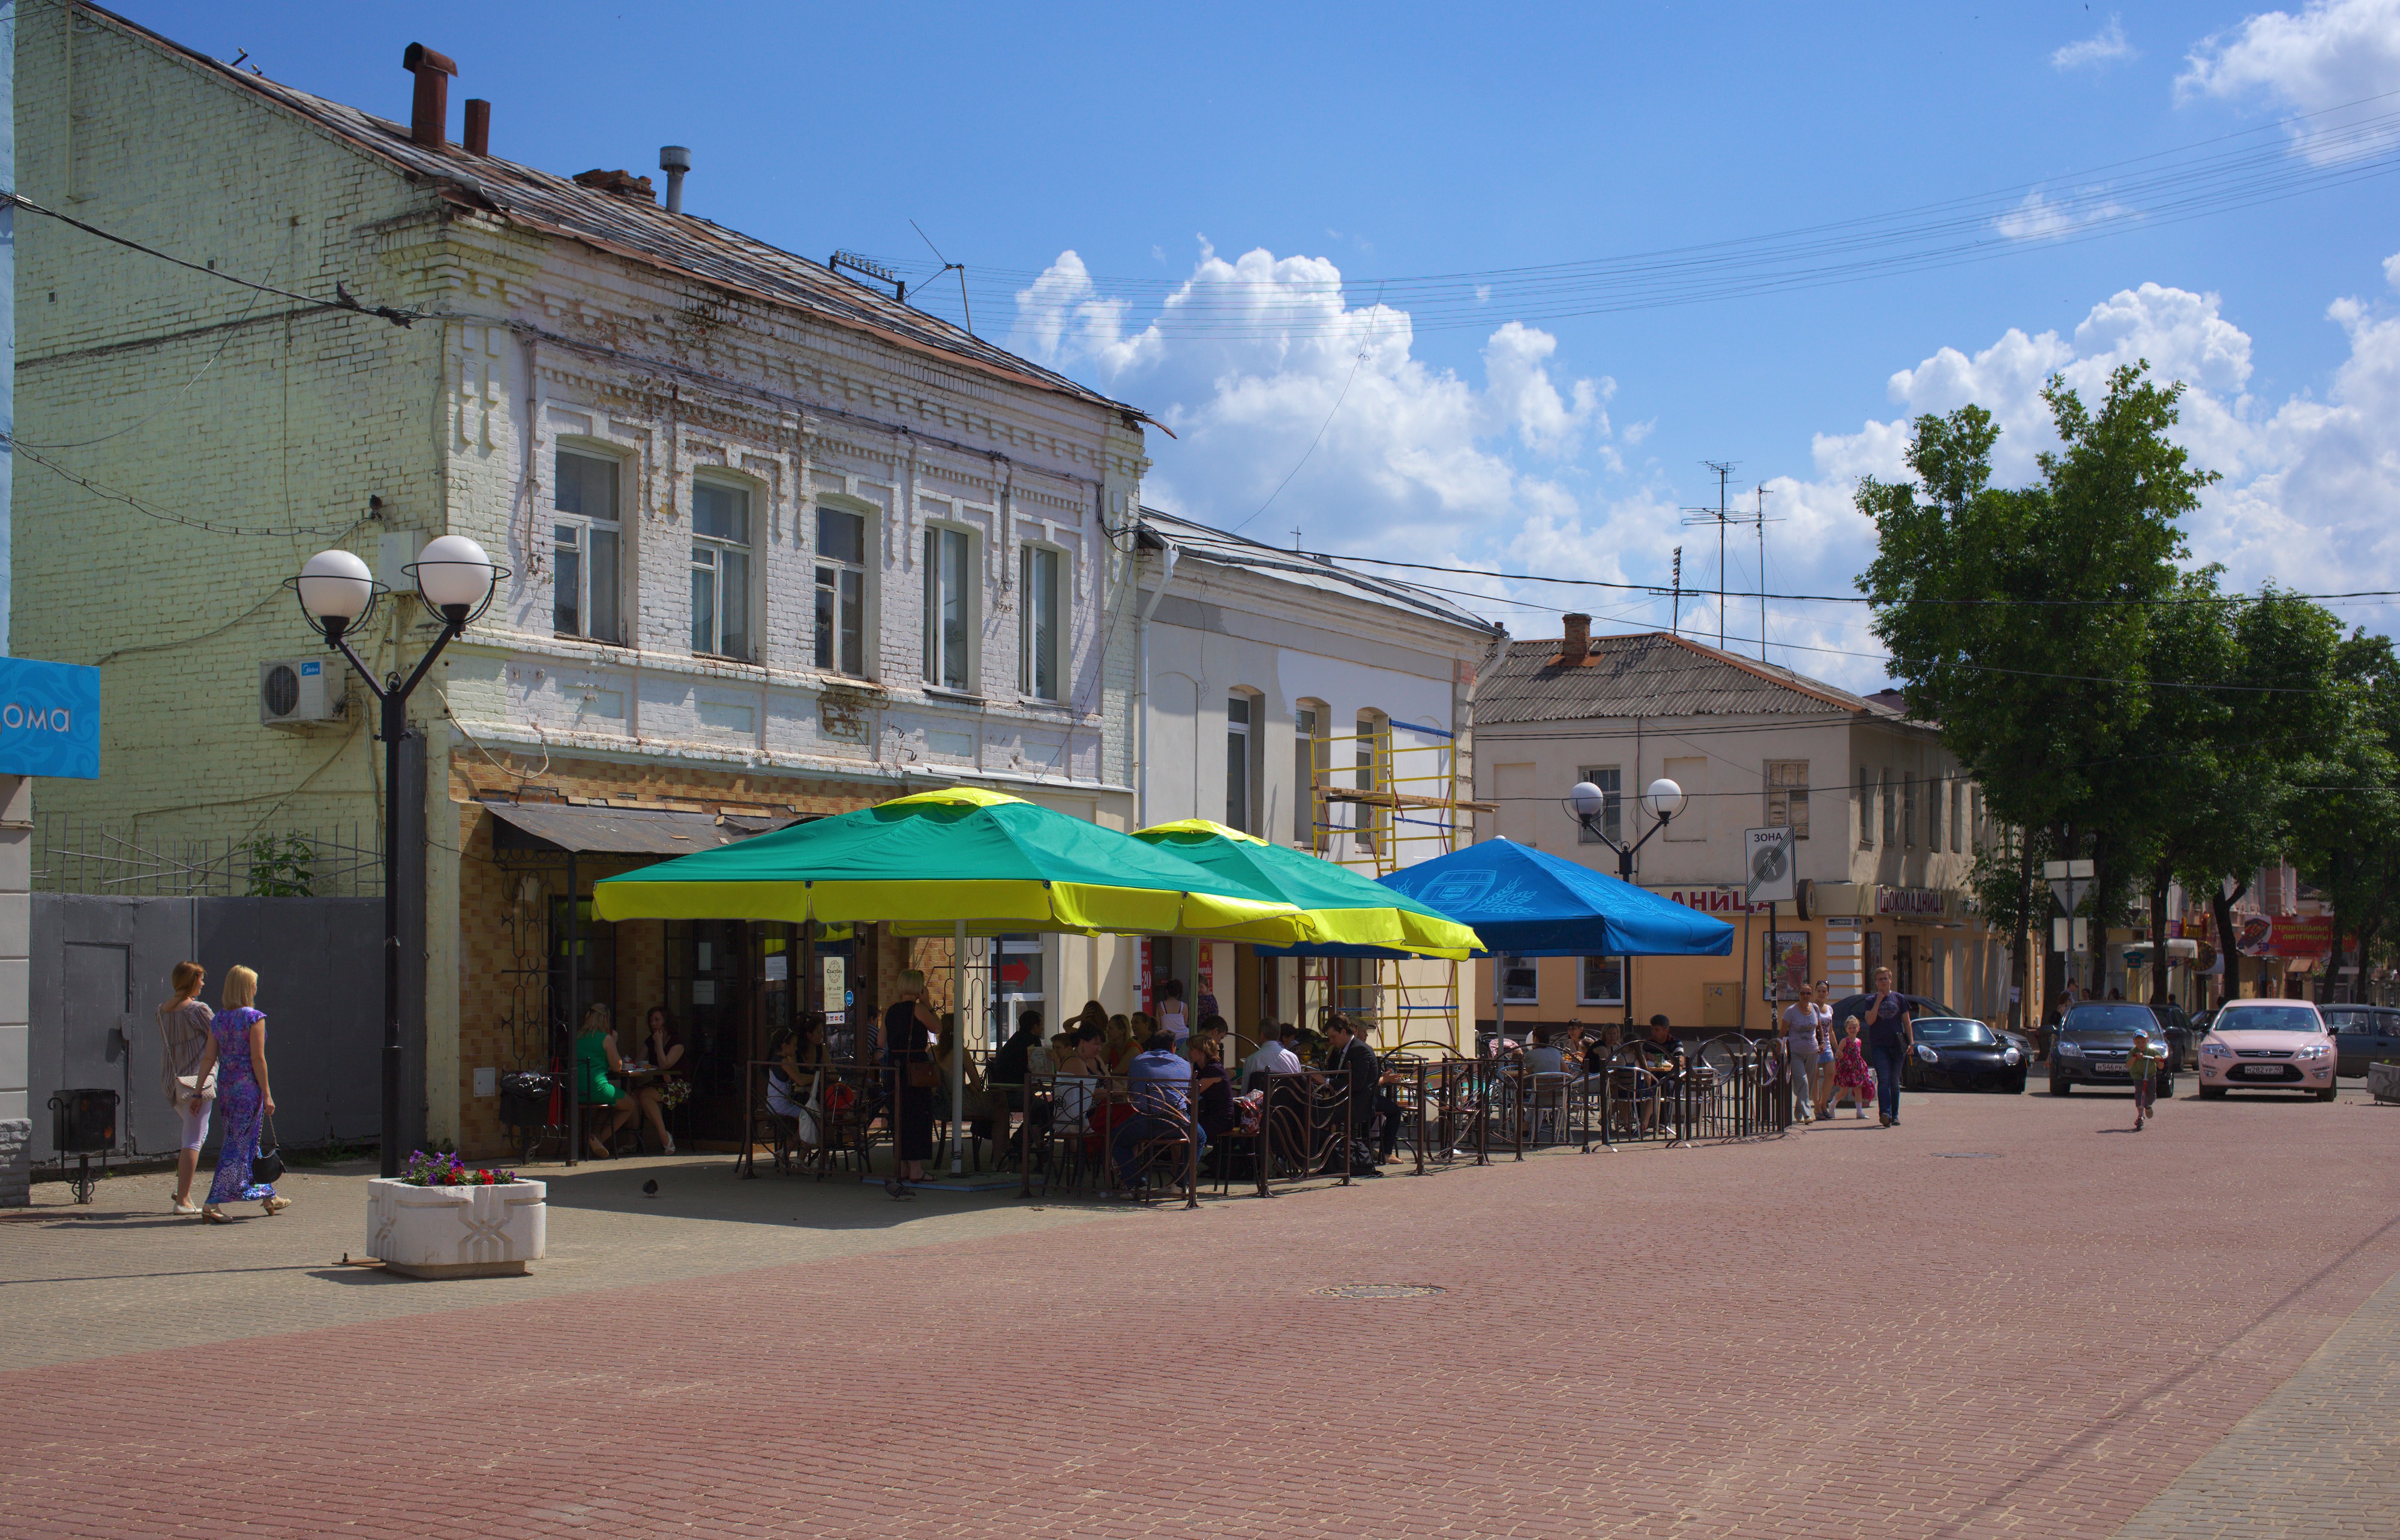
{"x": 237, "y": 1048}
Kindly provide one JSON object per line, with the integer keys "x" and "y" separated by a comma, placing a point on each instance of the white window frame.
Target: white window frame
{"x": 1311, "y": 757}
{"x": 870, "y": 548}
{"x": 1370, "y": 762}
{"x": 1030, "y": 646}
{"x": 753, "y": 494}
{"x": 1584, "y": 993}
{"x": 937, "y": 663}
{"x": 1610, "y": 779}
{"x": 1242, "y": 737}
{"x": 1507, "y": 964}
{"x": 582, "y": 542}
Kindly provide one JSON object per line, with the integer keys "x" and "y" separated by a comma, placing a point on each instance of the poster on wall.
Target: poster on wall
{"x": 1786, "y": 966}
{"x": 1875, "y": 955}
{"x": 1206, "y": 967}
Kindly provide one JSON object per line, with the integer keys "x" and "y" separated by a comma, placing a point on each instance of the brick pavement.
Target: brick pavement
{"x": 2318, "y": 1460}
{"x": 1839, "y": 1334}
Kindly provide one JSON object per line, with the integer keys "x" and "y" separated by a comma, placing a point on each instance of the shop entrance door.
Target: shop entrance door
{"x": 708, "y": 991}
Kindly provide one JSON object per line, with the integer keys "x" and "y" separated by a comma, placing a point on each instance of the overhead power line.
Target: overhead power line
{"x": 2242, "y": 169}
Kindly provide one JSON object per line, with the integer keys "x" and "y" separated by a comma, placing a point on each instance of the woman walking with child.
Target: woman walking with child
{"x": 237, "y": 1050}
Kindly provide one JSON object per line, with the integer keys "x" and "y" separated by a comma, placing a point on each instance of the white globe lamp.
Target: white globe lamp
{"x": 335, "y": 589}
{"x": 455, "y": 577}
{"x": 1664, "y": 799}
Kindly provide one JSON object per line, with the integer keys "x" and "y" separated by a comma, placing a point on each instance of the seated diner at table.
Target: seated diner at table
{"x": 663, "y": 1049}
{"x": 600, "y": 1083}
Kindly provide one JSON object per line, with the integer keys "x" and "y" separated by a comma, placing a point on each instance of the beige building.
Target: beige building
{"x": 779, "y": 544}
{"x": 1885, "y": 824}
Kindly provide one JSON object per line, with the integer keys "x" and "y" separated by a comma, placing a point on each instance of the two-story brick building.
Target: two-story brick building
{"x": 1886, "y": 824}
{"x": 778, "y": 544}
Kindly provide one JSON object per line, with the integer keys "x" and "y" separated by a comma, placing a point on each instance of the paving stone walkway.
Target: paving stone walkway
{"x": 2318, "y": 1460}
{"x": 1839, "y": 1334}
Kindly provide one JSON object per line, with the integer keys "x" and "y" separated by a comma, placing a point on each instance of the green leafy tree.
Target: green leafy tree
{"x": 2020, "y": 618}
{"x": 2347, "y": 827}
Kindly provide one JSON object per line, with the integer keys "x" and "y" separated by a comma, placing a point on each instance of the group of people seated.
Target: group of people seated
{"x": 605, "y": 1080}
{"x": 1114, "y": 1079}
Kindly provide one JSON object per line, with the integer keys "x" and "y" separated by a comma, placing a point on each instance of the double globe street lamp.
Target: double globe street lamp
{"x": 456, "y": 580}
{"x": 1664, "y": 800}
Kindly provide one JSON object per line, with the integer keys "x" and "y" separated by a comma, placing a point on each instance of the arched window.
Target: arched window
{"x": 1312, "y": 762}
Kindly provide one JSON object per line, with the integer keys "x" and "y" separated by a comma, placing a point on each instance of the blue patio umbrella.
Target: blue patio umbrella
{"x": 1523, "y": 902}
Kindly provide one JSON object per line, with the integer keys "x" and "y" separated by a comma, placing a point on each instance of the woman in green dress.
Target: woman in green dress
{"x": 597, "y": 1068}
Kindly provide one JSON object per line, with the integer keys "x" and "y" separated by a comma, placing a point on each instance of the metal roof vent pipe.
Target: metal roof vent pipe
{"x": 479, "y": 126}
{"x": 429, "y": 114}
{"x": 674, "y": 159}
{"x": 1577, "y": 647}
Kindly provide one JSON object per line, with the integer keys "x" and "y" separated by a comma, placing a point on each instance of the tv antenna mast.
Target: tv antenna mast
{"x": 1717, "y": 515}
{"x": 1762, "y": 520}
{"x": 947, "y": 267}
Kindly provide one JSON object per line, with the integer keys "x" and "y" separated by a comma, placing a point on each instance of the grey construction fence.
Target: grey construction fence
{"x": 99, "y": 968}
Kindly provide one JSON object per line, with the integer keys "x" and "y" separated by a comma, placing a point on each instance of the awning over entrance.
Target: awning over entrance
{"x": 567, "y": 830}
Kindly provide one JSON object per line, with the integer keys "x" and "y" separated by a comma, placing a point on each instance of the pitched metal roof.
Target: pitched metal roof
{"x": 638, "y": 230}
{"x": 1198, "y": 542}
{"x": 1651, "y": 674}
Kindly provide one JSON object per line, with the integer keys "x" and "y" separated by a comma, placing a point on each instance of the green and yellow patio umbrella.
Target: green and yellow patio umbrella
{"x": 1343, "y": 906}
{"x": 963, "y": 858}
{"x": 959, "y": 855}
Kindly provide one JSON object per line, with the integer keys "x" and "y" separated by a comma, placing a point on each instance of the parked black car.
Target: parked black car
{"x": 2362, "y": 1034}
{"x": 2182, "y": 1041}
{"x": 1962, "y": 1055}
{"x": 1919, "y": 1007}
{"x": 2091, "y": 1041}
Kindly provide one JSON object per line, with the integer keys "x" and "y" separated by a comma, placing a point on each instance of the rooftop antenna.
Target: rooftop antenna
{"x": 1704, "y": 515}
{"x": 1675, "y": 623}
{"x": 947, "y": 265}
{"x": 1762, "y": 520}
{"x": 870, "y": 268}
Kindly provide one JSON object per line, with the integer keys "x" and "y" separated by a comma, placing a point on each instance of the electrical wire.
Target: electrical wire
{"x": 164, "y": 516}
{"x": 342, "y": 299}
{"x": 2163, "y": 189}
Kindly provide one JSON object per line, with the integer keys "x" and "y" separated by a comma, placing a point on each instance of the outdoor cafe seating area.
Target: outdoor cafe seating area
{"x": 1429, "y": 1110}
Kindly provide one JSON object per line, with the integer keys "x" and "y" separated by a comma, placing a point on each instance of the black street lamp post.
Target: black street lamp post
{"x": 1588, "y": 803}
{"x": 337, "y": 592}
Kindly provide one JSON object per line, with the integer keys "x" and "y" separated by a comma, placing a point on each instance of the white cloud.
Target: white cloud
{"x": 2105, "y": 48}
{"x": 2333, "y": 54}
{"x": 2308, "y": 484}
{"x": 1250, "y": 362}
{"x": 2039, "y": 219}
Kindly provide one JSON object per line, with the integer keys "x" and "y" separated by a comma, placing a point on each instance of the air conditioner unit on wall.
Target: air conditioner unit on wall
{"x": 297, "y": 690}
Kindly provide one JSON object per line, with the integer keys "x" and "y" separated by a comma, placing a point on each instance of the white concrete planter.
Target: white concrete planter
{"x": 456, "y": 1231}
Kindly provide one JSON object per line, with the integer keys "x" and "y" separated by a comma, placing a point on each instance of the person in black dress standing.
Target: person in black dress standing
{"x": 908, "y": 1029}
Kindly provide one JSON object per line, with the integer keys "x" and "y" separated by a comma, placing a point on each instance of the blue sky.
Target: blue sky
{"x": 1319, "y": 155}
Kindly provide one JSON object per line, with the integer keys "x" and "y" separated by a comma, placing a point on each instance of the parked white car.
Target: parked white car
{"x": 2267, "y": 1045}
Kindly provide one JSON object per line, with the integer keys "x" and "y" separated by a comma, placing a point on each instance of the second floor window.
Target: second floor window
{"x": 948, "y": 622}
{"x": 1610, "y": 779}
{"x": 720, "y": 569}
{"x": 1935, "y": 790}
{"x": 1237, "y": 762}
{"x": 1310, "y": 760}
{"x": 586, "y": 542}
{"x": 1039, "y": 633}
{"x": 842, "y": 591}
{"x": 1890, "y": 812}
{"x": 1866, "y": 809}
{"x": 1787, "y": 796}
{"x": 1907, "y": 811}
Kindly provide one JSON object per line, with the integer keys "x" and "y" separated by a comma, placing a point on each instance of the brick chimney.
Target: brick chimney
{"x": 1576, "y": 647}
{"x": 429, "y": 114}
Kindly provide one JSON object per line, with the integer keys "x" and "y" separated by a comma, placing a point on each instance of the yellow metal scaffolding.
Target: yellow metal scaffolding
{"x": 1376, "y": 807}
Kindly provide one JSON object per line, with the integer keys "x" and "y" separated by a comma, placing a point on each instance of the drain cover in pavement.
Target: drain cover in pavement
{"x": 1379, "y": 1291}
{"x": 1967, "y": 1154}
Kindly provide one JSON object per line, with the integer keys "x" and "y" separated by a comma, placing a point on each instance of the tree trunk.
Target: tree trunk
{"x": 2220, "y": 904}
{"x": 2159, "y": 881}
{"x": 2021, "y": 961}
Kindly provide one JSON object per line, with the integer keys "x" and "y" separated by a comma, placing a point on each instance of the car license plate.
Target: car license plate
{"x": 2107, "y": 1069}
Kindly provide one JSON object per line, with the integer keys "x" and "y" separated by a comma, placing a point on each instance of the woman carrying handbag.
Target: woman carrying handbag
{"x": 183, "y": 1033}
{"x": 237, "y": 1049}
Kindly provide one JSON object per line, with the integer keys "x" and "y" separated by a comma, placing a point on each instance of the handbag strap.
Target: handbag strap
{"x": 271, "y": 1142}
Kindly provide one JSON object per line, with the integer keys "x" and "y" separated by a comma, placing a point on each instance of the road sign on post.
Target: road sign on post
{"x": 1768, "y": 867}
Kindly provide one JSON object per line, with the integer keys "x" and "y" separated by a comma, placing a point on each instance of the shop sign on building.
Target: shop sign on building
{"x": 1911, "y": 903}
{"x": 1712, "y": 900}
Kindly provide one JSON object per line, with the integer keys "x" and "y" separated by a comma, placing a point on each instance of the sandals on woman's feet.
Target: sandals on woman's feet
{"x": 275, "y": 1205}
{"x": 214, "y": 1216}
{"x": 599, "y": 1151}
{"x": 897, "y": 1188}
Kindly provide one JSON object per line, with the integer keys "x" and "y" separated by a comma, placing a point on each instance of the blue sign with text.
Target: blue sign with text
{"x": 49, "y": 719}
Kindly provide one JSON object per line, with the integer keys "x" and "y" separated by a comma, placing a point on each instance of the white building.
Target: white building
{"x": 1272, "y": 684}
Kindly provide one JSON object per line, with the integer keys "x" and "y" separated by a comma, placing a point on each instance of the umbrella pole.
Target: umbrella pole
{"x": 958, "y": 1043}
